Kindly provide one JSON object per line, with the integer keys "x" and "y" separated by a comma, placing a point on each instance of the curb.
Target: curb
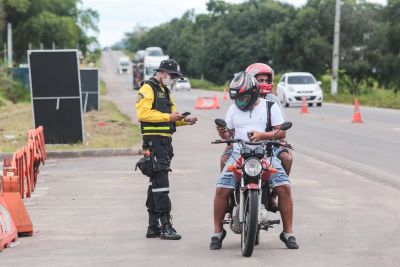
{"x": 105, "y": 152}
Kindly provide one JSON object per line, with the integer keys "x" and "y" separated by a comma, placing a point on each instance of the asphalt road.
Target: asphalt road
{"x": 90, "y": 211}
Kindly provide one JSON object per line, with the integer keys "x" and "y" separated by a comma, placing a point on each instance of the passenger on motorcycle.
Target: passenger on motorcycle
{"x": 249, "y": 114}
{"x": 264, "y": 75}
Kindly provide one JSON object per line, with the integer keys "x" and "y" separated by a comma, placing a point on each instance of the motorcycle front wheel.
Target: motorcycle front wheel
{"x": 249, "y": 225}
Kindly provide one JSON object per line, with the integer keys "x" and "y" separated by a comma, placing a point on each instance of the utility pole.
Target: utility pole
{"x": 202, "y": 49}
{"x": 335, "y": 55}
{"x": 9, "y": 45}
{"x": 5, "y": 52}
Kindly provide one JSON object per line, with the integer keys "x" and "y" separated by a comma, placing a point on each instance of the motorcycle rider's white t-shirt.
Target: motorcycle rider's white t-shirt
{"x": 252, "y": 120}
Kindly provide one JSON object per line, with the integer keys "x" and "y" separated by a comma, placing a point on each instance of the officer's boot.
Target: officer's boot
{"x": 167, "y": 231}
{"x": 154, "y": 228}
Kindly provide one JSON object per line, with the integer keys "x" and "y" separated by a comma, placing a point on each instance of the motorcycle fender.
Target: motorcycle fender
{"x": 251, "y": 186}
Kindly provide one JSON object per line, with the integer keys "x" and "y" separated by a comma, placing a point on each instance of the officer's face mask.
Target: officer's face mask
{"x": 167, "y": 80}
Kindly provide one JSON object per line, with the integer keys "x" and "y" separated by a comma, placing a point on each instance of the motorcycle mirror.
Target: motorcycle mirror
{"x": 220, "y": 123}
{"x": 286, "y": 125}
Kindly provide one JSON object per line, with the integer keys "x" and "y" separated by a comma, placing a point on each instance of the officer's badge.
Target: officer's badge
{"x": 160, "y": 95}
{"x": 140, "y": 96}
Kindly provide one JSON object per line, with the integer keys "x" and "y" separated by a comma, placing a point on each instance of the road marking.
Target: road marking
{"x": 396, "y": 129}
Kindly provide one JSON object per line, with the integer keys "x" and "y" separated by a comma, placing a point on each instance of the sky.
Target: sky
{"x": 120, "y": 16}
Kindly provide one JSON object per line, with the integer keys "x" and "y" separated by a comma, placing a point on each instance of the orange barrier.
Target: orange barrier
{"x": 18, "y": 212}
{"x": 225, "y": 96}
{"x": 304, "y": 105}
{"x": 207, "y": 103}
{"x": 10, "y": 184}
{"x": 357, "y": 114}
{"x": 8, "y": 231}
{"x": 19, "y": 180}
{"x": 21, "y": 165}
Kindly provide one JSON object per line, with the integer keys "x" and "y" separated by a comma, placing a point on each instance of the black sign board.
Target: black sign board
{"x": 90, "y": 89}
{"x": 56, "y": 94}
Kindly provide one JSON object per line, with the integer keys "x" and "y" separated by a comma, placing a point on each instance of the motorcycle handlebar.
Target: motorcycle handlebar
{"x": 243, "y": 142}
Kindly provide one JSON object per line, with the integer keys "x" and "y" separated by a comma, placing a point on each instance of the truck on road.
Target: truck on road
{"x": 144, "y": 68}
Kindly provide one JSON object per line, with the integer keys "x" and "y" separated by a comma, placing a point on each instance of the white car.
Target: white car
{"x": 182, "y": 84}
{"x": 293, "y": 86}
{"x": 124, "y": 65}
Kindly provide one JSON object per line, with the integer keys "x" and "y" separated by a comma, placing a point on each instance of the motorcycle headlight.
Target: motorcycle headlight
{"x": 252, "y": 167}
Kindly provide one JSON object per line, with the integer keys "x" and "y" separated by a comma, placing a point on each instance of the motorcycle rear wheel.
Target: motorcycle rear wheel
{"x": 249, "y": 226}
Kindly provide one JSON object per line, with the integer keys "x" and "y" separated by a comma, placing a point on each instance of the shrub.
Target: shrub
{"x": 12, "y": 90}
{"x": 207, "y": 85}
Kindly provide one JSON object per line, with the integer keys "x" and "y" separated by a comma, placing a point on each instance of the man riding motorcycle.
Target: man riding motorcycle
{"x": 249, "y": 117}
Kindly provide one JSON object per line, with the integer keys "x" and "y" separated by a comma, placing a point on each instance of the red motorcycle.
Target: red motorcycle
{"x": 247, "y": 213}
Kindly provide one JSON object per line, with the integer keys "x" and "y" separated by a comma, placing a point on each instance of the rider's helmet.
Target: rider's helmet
{"x": 261, "y": 68}
{"x": 244, "y": 90}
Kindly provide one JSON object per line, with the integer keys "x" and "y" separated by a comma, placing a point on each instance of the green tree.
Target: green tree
{"x": 46, "y": 22}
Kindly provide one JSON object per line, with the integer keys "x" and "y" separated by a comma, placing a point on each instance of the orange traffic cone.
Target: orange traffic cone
{"x": 357, "y": 114}
{"x": 215, "y": 102}
{"x": 225, "y": 97}
{"x": 304, "y": 106}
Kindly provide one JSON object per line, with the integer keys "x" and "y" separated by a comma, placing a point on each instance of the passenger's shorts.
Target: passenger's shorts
{"x": 228, "y": 150}
{"x": 228, "y": 180}
{"x": 279, "y": 150}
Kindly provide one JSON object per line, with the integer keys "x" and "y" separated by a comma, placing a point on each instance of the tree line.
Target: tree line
{"x": 42, "y": 23}
{"x": 231, "y": 36}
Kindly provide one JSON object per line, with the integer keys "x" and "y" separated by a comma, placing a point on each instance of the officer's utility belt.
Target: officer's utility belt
{"x": 146, "y": 164}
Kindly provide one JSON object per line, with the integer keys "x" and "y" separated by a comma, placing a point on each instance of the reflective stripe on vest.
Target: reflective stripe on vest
{"x": 155, "y": 128}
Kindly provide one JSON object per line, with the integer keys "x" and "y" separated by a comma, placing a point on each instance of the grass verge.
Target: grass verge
{"x": 371, "y": 96}
{"x": 107, "y": 128}
{"x": 207, "y": 85}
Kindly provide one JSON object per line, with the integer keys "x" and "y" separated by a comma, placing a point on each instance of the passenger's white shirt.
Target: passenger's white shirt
{"x": 252, "y": 120}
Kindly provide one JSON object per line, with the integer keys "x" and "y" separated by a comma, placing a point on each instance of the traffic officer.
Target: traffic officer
{"x": 158, "y": 118}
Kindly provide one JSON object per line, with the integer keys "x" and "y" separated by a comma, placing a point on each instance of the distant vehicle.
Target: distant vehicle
{"x": 294, "y": 85}
{"x": 154, "y": 52}
{"x": 144, "y": 70}
{"x": 182, "y": 84}
{"x": 139, "y": 56}
{"x": 124, "y": 65}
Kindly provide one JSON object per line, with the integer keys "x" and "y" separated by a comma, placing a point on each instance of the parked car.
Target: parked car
{"x": 294, "y": 85}
{"x": 182, "y": 84}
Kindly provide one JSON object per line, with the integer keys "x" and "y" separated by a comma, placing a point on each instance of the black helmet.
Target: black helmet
{"x": 171, "y": 67}
{"x": 244, "y": 90}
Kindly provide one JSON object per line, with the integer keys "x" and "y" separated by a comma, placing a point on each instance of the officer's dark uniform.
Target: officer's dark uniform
{"x": 153, "y": 107}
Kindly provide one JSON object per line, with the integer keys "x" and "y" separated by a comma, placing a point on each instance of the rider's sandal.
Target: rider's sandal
{"x": 216, "y": 243}
{"x": 290, "y": 242}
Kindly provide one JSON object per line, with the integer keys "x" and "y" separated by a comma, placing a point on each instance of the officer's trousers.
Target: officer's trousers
{"x": 158, "y": 202}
